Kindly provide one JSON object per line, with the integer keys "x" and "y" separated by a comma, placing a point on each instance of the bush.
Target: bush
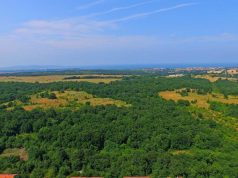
{"x": 183, "y": 103}
{"x": 184, "y": 93}
{"x": 48, "y": 95}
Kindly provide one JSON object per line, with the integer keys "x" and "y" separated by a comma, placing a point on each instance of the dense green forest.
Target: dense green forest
{"x": 152, "y": 137}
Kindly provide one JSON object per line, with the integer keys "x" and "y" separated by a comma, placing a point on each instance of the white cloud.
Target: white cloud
{"x": 93, "y": 50}
{"x": 145, "y": 14}
{"x": 138, "y": 42}
{"x": 217, "y": 38}
{"x": 119, "y": 9}
{"x": 67, "y": 28}
{"x": 84, "y": 38}
{"x": 79, "y": 26}
{"x": 82, "y": 33}
{"x": 103, "y": 42}
{"x": 91, "y": 4}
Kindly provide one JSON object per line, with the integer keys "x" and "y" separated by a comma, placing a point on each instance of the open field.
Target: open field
{"x": 70, "y": 99}
{"x": 227, "y": 121}
{"x": 201, "y": 100}
{"x": 202, "y": 106}
{"x": 208, "y": 77}
{"x": 60, "y": 78}
{"x": 214, "y": 78}
{"x": 19, "y": 152}
{"x": 175, "y": 75}
{"x": 181, "y": 152}
{"x": 232, "y": 71}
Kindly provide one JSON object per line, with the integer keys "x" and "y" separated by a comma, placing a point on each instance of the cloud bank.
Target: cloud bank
{"x": 90, "y": 39}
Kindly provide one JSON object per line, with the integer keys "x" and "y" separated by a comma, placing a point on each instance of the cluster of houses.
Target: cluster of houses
{"x": 8, "y": 175}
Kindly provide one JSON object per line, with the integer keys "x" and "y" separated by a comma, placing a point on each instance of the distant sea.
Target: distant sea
{"x": 111, "y": 67}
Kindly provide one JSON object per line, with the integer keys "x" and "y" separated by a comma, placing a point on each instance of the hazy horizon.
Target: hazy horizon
{"x": 115, "y": 33}
{"x": 112, "y": 67}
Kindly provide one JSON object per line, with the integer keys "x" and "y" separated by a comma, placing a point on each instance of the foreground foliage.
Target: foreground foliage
{"x": 151, "y": 137}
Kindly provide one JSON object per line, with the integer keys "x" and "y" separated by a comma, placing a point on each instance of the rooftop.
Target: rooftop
{"x": 7, "y": 175}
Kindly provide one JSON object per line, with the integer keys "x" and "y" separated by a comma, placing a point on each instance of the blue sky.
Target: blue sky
{"x": 118, "y": 32}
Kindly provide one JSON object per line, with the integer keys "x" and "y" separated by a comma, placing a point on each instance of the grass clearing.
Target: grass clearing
{"x": 72, "y": 99}
{"x": 208, "y": 77}
{"x": 232, "y": 71}
{"x": 227, "y": 121}
{"x": 202, "y": 106}
{"x": 212, "y": 78}
{"x": 201, "y": 100}
{"x": 175, "y": 76}
{"x": 19, "y": 152}
{"x": 61, "y": 78}
{"x": 181, "y": 152}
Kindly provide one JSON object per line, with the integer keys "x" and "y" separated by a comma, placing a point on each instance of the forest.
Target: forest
{"x": 149, "y": 137}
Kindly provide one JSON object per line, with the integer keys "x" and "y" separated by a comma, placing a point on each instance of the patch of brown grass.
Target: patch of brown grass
{"x": 202, "y": 100}
{"x": 30, "y": 107}
{"x": 232, "y": 71}
{"x": 19, "y": 152}
{"x": 218, "y": 117}
{"x": 202, "y": 106}
{"x": 59, "y": 78}
{"x": 72, "y": 99}
{"x": 208, "y": 77}
{"x": 212, "y": 78}
{"x": 181, "y": 152}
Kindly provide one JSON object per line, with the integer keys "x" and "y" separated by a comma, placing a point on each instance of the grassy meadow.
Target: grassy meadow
{"x": 200, "y": 103}
{"x": 61, "y": 78}
{"x": 213, "y": 79}
{"x": 200, "y": 100}
{"x": 18, "y": 152}
{"x": 68, "y": 99}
